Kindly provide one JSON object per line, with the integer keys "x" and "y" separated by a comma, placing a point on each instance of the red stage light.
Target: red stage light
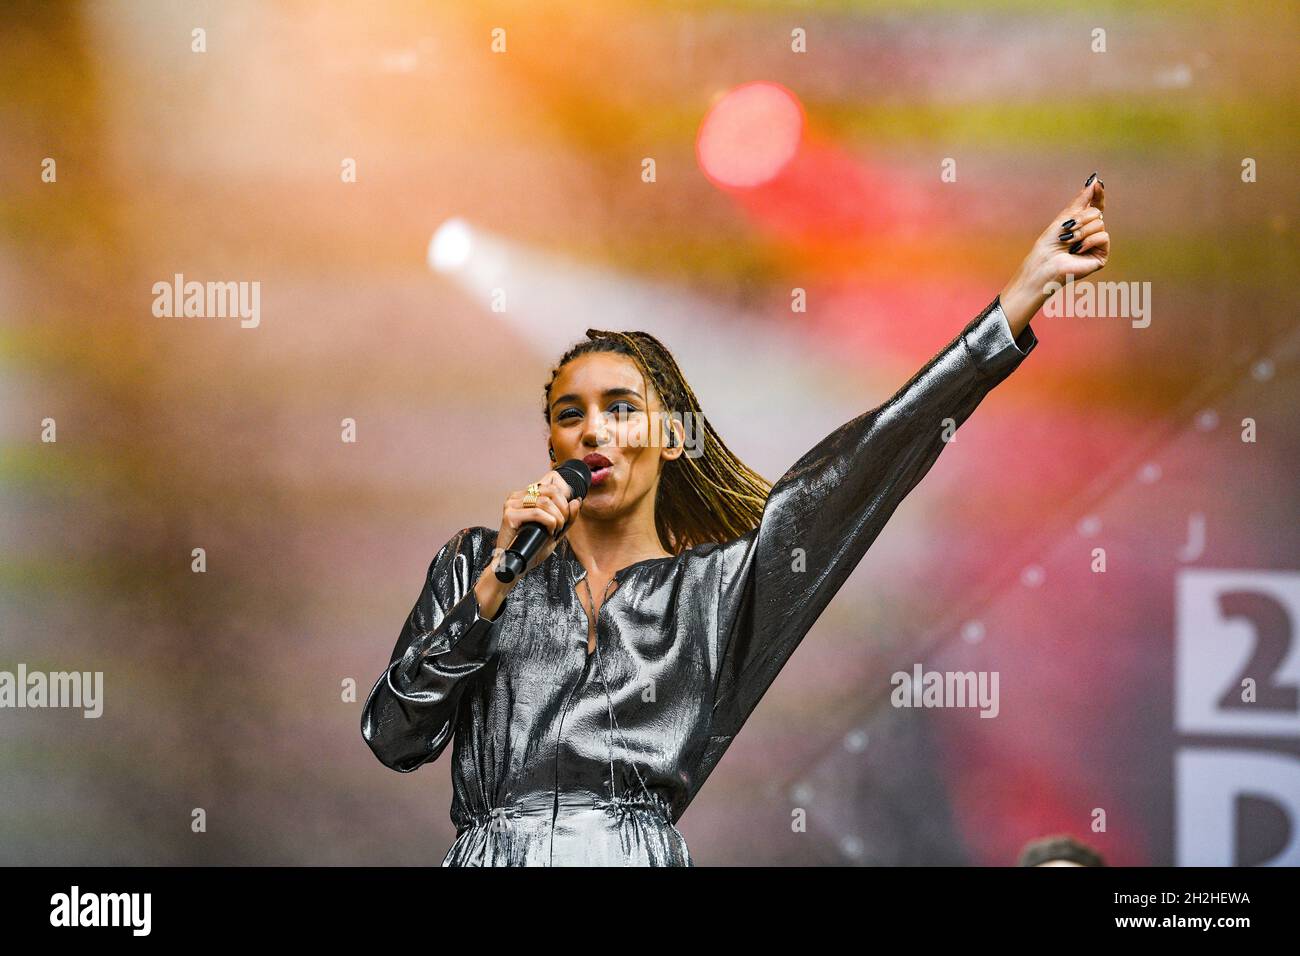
{"x": 749, "y": 135}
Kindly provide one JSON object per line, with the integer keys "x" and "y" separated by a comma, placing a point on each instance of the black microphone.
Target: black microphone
{"x": 533, "y": 535}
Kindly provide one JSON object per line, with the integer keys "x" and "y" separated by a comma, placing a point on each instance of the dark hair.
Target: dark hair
{"x": 1060, "y": 847}
{"x": 712, "y": 496}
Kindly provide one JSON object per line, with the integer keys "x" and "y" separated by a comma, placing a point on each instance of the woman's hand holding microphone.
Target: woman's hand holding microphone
{"x": 552, "y": 509}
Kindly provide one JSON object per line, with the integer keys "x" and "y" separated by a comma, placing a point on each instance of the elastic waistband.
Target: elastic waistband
{"x": 544, "y": 804}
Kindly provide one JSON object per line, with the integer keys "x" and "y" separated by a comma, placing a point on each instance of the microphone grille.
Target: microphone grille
{"x": 578, "y": 475}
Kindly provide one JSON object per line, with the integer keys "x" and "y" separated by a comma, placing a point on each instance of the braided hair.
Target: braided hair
{"x": 712, "y": 496}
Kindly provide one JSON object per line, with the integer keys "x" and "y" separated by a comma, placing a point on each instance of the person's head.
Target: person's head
{"x": 621, "y": 395}
{"x": 1061, "y": 850}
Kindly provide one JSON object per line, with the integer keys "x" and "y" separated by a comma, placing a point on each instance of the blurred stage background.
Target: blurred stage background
{"x": 223, "y": 689}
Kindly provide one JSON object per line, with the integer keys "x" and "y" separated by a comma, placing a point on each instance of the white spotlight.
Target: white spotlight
{"x": 451, "y": 245}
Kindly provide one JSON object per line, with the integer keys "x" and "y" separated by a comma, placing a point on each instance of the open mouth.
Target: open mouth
{"x": 600, "y": 466}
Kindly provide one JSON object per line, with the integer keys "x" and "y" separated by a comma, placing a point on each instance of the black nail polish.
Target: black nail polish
{"x": 1068, "y": 223}
{"x": 1065, "y": 237}
{"x": 1075, "y": 248}
{"x": 1090, "y": 179}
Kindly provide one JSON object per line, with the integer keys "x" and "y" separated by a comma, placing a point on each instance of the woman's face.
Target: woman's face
{"x": 599, "y": 407}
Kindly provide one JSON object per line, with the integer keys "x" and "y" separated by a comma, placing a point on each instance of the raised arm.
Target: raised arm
{"x": 410, "y": 714}
{"x": 833, "y": 503}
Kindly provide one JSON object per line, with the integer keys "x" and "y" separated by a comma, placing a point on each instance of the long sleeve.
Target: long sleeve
{"x": 1005, "y": 338}
{"x": 409, "y": 716}
{"x": 825, "y": 512}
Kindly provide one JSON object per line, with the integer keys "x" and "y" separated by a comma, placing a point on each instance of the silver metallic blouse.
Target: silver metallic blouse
{"x": 563, "y": 757}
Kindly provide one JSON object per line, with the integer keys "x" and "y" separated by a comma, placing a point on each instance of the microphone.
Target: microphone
{"x": 533, "y": 535}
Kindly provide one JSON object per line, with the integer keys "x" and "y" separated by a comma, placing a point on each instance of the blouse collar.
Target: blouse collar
{"x": 572, "y": 564}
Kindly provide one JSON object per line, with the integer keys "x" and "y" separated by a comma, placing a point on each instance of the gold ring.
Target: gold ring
{"x": 530, "y": 498}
